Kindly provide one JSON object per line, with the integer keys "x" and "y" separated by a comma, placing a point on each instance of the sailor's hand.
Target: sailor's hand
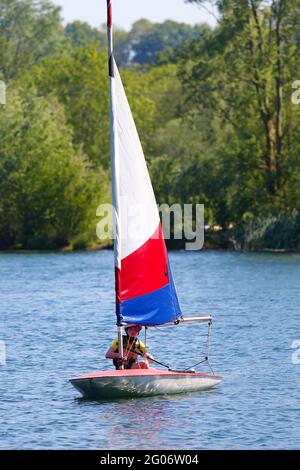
{"x": 147, "y": 356}
{"x": 132, "y": 355}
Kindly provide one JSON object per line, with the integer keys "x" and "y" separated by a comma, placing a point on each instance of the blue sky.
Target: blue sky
{"x": 127, "y": 12}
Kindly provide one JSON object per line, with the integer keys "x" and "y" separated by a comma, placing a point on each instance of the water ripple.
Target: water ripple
{"x": 57, "y": 321}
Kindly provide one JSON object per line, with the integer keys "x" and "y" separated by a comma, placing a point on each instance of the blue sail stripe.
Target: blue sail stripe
{"x": 156, "y": 308}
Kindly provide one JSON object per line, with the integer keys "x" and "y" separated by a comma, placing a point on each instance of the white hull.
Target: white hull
{"x": 126, "y": 385}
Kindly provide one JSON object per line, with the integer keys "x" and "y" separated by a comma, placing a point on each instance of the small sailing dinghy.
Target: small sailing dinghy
{"x": 145, "y": 290}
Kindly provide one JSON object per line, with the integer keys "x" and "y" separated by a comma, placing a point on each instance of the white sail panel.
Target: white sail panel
{"x": 138, "y": 214}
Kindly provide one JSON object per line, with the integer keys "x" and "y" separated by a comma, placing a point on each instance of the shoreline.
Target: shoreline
{"x": 109, "y": 247}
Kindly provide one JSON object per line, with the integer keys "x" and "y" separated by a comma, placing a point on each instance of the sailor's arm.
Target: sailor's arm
{"x": 112, "y": 354}
{"x": 147, "y": 356}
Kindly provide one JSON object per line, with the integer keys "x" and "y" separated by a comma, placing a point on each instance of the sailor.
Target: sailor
{"x": 131, "y": 343}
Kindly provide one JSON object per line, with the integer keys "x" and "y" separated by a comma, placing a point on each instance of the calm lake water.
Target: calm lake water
{"x": 57, "y": 320}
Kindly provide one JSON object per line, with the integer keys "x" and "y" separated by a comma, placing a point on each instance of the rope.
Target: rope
{"x": 206, "y": 352}
{"x": 154, "y": 360}
{"x": 195, "y": 365}
{"x": 128, "y": 347}
{"x": 187, "y": 370}
{"x": 208, "y": 340}
{"x": 210, "y": 367}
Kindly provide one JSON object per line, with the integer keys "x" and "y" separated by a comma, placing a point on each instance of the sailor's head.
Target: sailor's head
{"x": 133, "y": 330}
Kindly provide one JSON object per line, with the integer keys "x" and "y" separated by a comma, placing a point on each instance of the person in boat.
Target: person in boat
{"x": 131, "y": 343}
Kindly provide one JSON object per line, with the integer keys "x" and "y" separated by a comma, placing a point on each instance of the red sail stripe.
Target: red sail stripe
{"x": 145, "y": 270}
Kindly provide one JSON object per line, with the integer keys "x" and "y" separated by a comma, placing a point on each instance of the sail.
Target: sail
{"x": 145, "y": 291}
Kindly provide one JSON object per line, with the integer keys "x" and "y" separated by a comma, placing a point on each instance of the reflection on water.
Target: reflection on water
{"x": 134, "y": 423}
{"x": 131, "y": 424}
{"x": 57, "y": 321}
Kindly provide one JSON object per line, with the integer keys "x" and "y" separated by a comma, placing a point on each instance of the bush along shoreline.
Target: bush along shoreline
{"x": 267, "y": 233}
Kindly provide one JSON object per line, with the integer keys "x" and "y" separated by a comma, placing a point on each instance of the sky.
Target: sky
{"x": 126, "y": 12}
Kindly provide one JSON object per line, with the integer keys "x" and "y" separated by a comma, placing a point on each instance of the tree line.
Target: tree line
{"x": 212, "y": 106}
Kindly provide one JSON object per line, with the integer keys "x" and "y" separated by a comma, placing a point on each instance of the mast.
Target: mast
{"x": 145, "y": 289}
{"x": 115, "y": 166}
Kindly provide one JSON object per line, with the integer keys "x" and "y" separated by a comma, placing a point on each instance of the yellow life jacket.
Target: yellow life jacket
{"x": 133, "y": 345}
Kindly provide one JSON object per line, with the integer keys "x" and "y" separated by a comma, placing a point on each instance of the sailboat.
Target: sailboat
{"x": 145, "y": 289}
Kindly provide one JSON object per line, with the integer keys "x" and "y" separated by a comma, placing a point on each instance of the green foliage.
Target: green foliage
{"x": 48, "y": 193}
{"x": 149, "y": 40}
{"x": 212, "y": 107}
{"x": 145, "y": 44}
{"x": 29, "y": 31}
{"x": 83, "y": 34}
{"x": 79, "y": 79}
{"x": 271, "y": 232}
{"x": 241, "y": 77}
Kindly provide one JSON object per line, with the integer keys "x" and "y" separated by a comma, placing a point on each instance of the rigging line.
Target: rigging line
{"x": 154, "y": 360}
{"x": 206, "y": 352}
{"x": 186, "y": 371}
{"x": 208, "y": 340}
{"x": 210, "y": 367}
{"x": 201, "y": 362}
{"x": 128, "y": 347}
{"x": 165, "y": 365}
{"x": 207, "y": 347}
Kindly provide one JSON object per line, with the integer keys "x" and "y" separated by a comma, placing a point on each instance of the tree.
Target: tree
{"x": 48, "y": 193}
{"x": 78, "y": 78}
{"x": 254, "y": 54}
{"x": 242, "y": 74}
{"x": 29, "y": 31}
{"x": 149, "y": 40}
{"x": 82, "y": 34}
